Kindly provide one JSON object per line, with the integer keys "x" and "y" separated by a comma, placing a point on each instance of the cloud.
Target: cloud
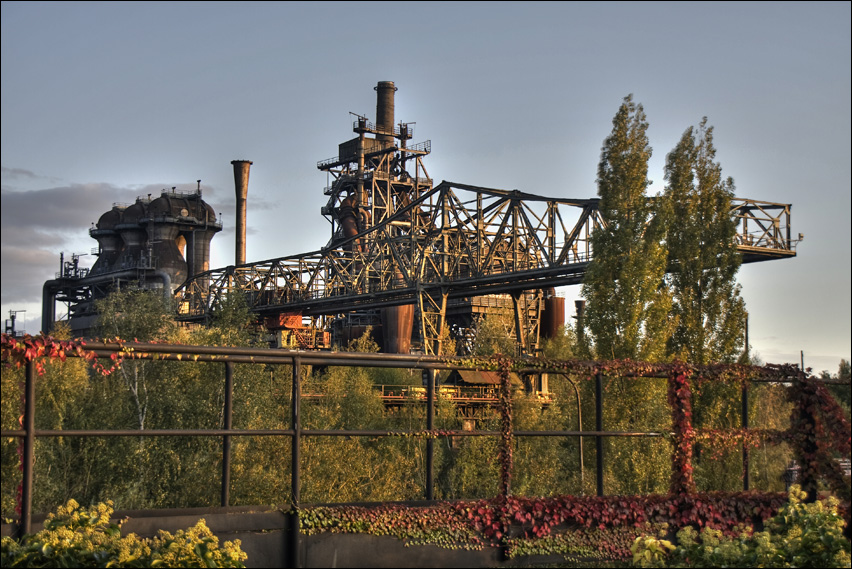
{"x": 21, "y": 268}
{"x": 15, "y": 179}
{"x": 15, "y": 236}
{"x": 229, "y": 209}
{"x": 37, "y": 225}
{"x": 73, "y": 207}
{"x": 16, "y": 173}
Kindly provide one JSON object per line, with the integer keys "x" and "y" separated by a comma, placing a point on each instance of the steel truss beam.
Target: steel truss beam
{"x": 452, "y": 241}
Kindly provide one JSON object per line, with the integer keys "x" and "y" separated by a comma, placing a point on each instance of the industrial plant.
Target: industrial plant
{"x": 154, "y": 243}
{"x": 418, "y": 264}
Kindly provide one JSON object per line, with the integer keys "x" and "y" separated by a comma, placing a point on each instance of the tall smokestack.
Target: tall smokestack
{"x": 385, "y": 110}
{"x": 241, "y": 178}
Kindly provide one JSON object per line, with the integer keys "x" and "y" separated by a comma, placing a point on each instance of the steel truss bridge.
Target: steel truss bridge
{"x": 452, "y": 241}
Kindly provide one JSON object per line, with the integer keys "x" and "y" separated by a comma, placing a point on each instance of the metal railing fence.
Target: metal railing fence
{"x": 229, "y": 356}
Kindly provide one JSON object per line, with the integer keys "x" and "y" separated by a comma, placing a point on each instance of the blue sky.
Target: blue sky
{"x": 103, "y": 102}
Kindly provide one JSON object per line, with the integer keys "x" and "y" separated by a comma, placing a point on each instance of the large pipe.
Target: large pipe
{"x": 241, "y": 178}
{"x": 52, "y": 288}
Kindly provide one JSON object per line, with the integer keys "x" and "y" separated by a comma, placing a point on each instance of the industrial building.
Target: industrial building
{"x": 153, "y": 243}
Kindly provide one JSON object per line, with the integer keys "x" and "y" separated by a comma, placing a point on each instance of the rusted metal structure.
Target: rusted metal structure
{"x": 420, "y": 263}
{"x": 153, "y": 243}
{"x": 423, "y": 262}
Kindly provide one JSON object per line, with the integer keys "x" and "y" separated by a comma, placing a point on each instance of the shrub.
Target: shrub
{"x": 800, "y": 535}
{"x": 77, "y": 537}
{"x": 649, "y": 551}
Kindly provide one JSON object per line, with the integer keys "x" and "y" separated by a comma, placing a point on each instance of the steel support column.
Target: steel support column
{"x": 295, "y": 473}
{"x": 432, "y": 316}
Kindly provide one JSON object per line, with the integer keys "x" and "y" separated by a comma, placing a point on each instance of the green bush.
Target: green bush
{"x": 77, "y": 537}
{"x": 800, "y": 535}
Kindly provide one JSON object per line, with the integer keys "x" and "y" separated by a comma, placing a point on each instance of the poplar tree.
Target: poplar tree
{"x": 703, "y": 257}
{"x": 627, "y": 302}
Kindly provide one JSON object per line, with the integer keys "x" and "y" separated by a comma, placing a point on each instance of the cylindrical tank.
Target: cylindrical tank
{"x": 109, "y": 241}
{"x": 553, "y": 317}
{"x": 198, "y": 250}
{"x": 198, "y": 236}
{"x": 163, "y": 233}
{"x": 385, "y": 110}
{"x": 397, "y": 325}
{"x": 348, "y": 218}
{"x": 241, "y": 178}
{"x": 133, "y": 235}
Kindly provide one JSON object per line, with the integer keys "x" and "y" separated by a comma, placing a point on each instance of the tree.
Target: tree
{"x": 703, "y": 257}
{"x": 134, "y": 315}
{"x": 844, "y": 371}
{"x": 493, "y": 335}
{"x": 357, "y": 468}
{"x": 139, "y": 315}
{"x": 706, "y": 303}
{"x": 627, "y": 302}
{"x": 841, "y": 392}
{"x": 63, "y": 395}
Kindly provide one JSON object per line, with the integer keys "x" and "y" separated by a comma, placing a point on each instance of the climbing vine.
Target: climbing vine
{"x": 718, "y": 441}
{"x": 39, "y": 350}
{"x": 593, "y": 527}
{"x": 818, "y": 431}
{"x": 680, "y": 402}
{"x": 506, "y": 437}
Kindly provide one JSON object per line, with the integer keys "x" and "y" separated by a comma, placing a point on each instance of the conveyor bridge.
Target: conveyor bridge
{"x": 454, "y": 241}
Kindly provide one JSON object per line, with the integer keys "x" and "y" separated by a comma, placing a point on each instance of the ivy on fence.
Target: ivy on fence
{"x": 680, "y": 402}
{"x": 527, "y": 526}
{"x": 818, "y": 431}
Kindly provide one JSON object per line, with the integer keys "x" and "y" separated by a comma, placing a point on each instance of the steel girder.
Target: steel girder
{"x": 466, "y": 239}
{"x": 452, "y": 241}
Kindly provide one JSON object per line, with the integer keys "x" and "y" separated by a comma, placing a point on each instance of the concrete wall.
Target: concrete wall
{"x": 263, "y": 532}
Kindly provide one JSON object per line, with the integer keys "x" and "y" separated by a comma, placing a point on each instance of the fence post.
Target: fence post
{"x": 679, "y": 398}
{"x": 580, "y": 429}
{"x": 226, "y": 439}
{"x": 27, "y": 460}
{"x": 429, "y": 378}
{"x": 598, "y": 439}
{"x": 804, "y": 423}
{"x": 295, "y": 478}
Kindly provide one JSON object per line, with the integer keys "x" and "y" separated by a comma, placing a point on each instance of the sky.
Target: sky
{"x": 103, "y": 102}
